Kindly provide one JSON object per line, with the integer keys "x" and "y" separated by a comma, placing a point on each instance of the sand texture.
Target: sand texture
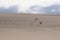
{"x": 29, "y": 27}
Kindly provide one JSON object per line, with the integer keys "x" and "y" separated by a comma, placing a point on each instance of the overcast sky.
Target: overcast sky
{"x": 26, "y": 3}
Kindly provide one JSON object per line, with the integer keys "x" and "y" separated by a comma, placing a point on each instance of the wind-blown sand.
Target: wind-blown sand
{"x": 28, "y": 27}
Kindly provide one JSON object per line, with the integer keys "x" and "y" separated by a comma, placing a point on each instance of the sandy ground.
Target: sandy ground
{"x": 27, "y": 28}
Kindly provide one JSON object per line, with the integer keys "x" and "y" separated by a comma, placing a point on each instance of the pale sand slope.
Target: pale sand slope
{"x": 25, "y": 27}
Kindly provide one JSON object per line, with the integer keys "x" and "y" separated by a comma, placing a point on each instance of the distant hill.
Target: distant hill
{"x": 11, "y": 9}
{"x": 52, "y": 9}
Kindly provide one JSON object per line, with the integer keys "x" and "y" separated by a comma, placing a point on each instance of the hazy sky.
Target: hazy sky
{"x": 25, "y": 3}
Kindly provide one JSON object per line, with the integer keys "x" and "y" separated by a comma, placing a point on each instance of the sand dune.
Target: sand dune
{"x": 29, "y": 27}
